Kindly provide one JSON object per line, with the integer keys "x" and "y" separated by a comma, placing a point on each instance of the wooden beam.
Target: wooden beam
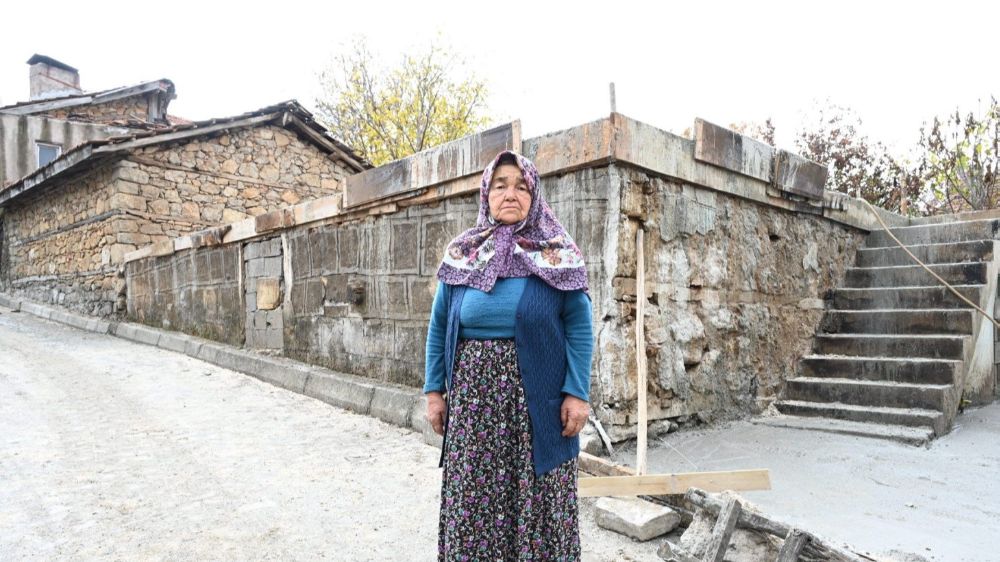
{"x": 724, "y": 527}
{"x": 792, "y": 546}
{"x": 186, "y": 133}
{"x": 640, "y": 351}
{"x": 663, "y": 484}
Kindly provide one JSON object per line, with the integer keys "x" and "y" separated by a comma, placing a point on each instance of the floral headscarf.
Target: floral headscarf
{"x": 538, "y": 245}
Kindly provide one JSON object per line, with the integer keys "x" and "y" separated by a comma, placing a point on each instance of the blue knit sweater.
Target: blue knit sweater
{"x": 492, "y": 315}
{"x": 544, "y": 353}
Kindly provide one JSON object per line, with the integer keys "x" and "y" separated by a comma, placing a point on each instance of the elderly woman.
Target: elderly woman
{"x": 510, "y": 344}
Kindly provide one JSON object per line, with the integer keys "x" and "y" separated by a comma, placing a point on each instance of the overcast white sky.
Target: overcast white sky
{"x": 548, "y": 63}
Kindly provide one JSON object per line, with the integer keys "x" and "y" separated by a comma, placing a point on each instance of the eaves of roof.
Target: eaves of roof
{"x": 289, "y": 114}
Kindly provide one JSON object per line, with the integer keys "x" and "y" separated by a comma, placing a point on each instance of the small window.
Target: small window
{"x": 47, "y": 152}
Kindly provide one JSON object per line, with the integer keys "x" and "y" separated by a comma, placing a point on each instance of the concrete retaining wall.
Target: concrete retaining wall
{"x": 736, "y": 274}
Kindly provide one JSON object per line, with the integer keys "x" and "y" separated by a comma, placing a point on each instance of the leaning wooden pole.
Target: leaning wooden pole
{"x": 640, "y": 352}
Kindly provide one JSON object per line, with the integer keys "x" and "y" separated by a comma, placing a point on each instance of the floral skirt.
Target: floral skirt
{"x": 493, "y": 507}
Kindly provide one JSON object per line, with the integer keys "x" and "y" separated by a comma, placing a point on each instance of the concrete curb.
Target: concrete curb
{"x": 393, "y": 404}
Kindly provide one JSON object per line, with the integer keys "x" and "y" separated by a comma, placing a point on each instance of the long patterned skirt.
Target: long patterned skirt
{"x": 493, "y": 507}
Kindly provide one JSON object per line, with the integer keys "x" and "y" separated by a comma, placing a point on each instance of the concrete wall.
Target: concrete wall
{"x": 196, "y": 292}
{"x": 18, "y": 134}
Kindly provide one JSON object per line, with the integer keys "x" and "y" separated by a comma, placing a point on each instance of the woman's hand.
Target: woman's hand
{"x": 574, "y": 415}
{"x": 436, "y": 411}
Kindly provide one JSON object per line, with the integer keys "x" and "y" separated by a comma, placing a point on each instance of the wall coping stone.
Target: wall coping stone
{"x": 614, "y": 139}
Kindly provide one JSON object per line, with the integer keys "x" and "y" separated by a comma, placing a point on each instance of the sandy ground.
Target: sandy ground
{"x": 941, "y": 503}
{"x": 111, "y": 450}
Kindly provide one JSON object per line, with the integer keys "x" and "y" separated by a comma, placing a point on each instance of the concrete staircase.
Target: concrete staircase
{"x": 896, "y": 350}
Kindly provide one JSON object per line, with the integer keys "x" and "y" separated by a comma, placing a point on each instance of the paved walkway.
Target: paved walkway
{"x": 117, "y": 451}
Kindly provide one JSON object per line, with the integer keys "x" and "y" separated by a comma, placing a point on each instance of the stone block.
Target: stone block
{"x": 435, "y": 235}
{"x": 394, "y": 404}
{"x": 272, "y": 267}
{"x": 405, "y": 247}
{"x": 421, "y": 292}
{"x": 340, "y": 390}
{"x": 268, "y": 293}
{"x": 348, "y": 242}
{"x": 635, "y": 518}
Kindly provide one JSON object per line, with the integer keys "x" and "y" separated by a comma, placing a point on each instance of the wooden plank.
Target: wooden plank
{"x": 640, "y": 351}
{"x": 792, "y": 546}
{"x": 662, "y": 484}
{"x": 459, "y": 158}
{"x": 724, "y": 527}
{"x": 601, "y": 467}
{"x": 185, "y": 133}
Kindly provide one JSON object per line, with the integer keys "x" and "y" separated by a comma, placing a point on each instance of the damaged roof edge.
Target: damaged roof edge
{"x": 36, "y": 106}
{"x": 288, "y": 114}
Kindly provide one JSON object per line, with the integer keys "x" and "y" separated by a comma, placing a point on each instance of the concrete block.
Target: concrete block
{"x": 173, "y": 341}
{"x": 393, "y": 404}
{"x": 192, "y": 347}
{"x": 138, "y": 333}
{"x": 632, "y": 517}
{"x": 10, "y": 302}
{"x": 340, "y": 390}
{"x": 208, "y": 352}
{"x": 36, "y": 309}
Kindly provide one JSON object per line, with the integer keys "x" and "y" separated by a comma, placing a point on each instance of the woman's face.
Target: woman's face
{"x": 509, "y": 196}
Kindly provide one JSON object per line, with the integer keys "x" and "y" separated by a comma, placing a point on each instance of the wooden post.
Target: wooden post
{"x": 640, "y": 352}
{"x": 724, "y": 526}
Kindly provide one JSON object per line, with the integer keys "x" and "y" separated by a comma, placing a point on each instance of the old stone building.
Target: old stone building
{"x": 91, "y": 177}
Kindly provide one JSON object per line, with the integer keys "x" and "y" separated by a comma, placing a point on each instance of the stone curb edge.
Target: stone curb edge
{"x": 398, "y": 405}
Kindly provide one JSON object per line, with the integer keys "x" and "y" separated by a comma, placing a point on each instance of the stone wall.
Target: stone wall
{"x": 67, "y": 243}
{"x": 228, "y": 177}
{"x": 59, "y": 245}
{"x": 134, "y": 108}
{"x": 735, "y": 293}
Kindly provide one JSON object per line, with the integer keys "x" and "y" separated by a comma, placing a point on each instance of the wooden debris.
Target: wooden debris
{"x": 724, "y": 527}
{"x": 792, "y": 546}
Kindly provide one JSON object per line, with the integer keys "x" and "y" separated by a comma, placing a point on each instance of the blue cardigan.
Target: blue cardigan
{"x": 540, "y": 339}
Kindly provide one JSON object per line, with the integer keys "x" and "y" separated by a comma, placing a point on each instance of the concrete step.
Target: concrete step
{"x": 895, "y": 345}
{"x": 918, "y": 436}
{"x": 972, "y": 273}
{"x": 868, "y": 393}
{"x": 936, "y": 233}
{"x": 937, "y": 321}
{"x": 888, "y": 369}
{"x": 910, "y": 417}
{"x": 948, "y": 252}
{"x": 904, "y": 297}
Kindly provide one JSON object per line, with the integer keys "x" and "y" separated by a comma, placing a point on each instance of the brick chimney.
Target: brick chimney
{"x": 50, "y": 78}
